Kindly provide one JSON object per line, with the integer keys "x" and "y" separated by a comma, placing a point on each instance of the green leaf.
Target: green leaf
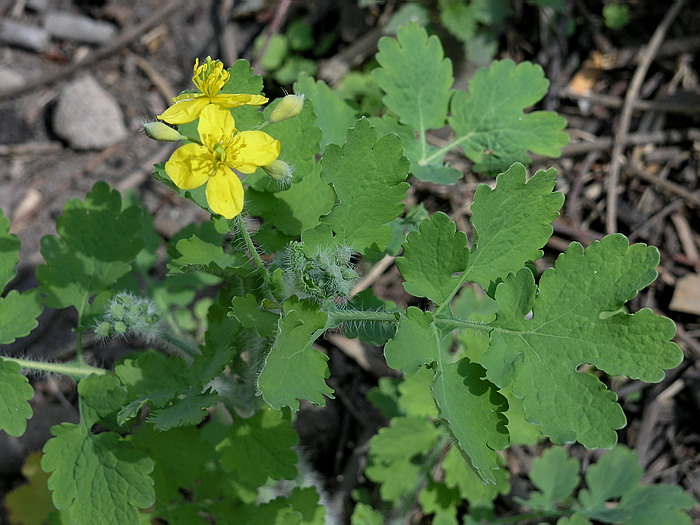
{"x": 512, "y": 222}
{"x": 556, "y": 475}
{"x": 292, "y": 369}
{"x": 299, "y": 138}
{"x": 416, "y": 342}
{"x": 416, "y": 78}
{"x": 368, "y": 176}
{"x": 180, "y": 456}
{"x": 655, "y": 504}
{"x": 490, "y": 125}
{"x": 97, "y": 243}
{"x": 260, "y": 447}
{"x": 459, "y": 389}
{"x": 375, "y": 333}
{"x": 189, "y": 410}
{"x": 97, "y": 478}
{"x": 571, "y": 325}
{"x": 242, "y": 79}
{"x": 364, "y": 514}
{"x": 415, "y": 152}
{"x": 18, "y": 314}
{"x": 15, "y": 391}
{"x": 294, "y": 210}
{"x": 392, "y": 451}
{"x": 9, "y": 252}
{"x": 441, "y": 500}
{"x": 574, "y": 519}
{"x": 416, "y": 398}
{"x": 459, "y": 474}
{"x": 197, "y": 254}
{"x": 18, "y": 311}
{"x": 250, "y": 315}
{"x": 618, "y": 474}
{"x": 100, "y": 396}
{"x": 432, "y": 257}
{"x": 333, "y": 115}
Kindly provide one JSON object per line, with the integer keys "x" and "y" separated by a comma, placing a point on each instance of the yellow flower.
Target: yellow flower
{"x": 209, "y": 78}
{"x": 222, "y": 149}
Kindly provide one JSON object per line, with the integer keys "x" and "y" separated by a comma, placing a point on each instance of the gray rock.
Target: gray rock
{"x": 87, "y": 117}
{"x": 78, "y": 28}
{"x": 22, "y": 35}
{"x": 9, "y": 78}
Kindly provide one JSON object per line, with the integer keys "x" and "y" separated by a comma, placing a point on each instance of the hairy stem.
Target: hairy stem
{"x": 74, "y": 369}
{"x": 252, "y": 251}
{"x": 337, "y": 317}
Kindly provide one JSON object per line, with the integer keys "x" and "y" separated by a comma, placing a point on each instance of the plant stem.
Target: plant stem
{"x": 336, "y": 317}
{"x": 79, "y": 347}
{"x": 74, "y": 369}
{"x": 253, "y": 252}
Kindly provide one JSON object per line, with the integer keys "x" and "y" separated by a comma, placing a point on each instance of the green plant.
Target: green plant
{"x": 201, "y": 429}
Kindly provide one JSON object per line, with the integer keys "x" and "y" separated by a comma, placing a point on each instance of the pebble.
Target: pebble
{"x": 87, "y": 117}
{"x": 78, "y": 28}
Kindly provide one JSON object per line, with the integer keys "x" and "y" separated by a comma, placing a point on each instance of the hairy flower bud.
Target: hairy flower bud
{"x": 281, "y": 172}
{"x": 161, "y": 131}
{"x": 290, "y": 106}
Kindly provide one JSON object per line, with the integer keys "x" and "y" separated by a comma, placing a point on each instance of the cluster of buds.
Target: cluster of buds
{"x": 126, "y": 314}
{"x": 327, "y": 275}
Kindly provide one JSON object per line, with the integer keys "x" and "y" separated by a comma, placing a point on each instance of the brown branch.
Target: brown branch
{"x": 626, "y": 116}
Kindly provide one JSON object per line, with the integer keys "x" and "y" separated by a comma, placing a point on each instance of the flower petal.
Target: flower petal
{"x": 225, "y": 193}
{"x": 185, "y": 110}
{"x": 234, "y": 100}
{"x": 190, "y": 166}
{"x": 253, "y": 149}
{"x": 215, "y": 122}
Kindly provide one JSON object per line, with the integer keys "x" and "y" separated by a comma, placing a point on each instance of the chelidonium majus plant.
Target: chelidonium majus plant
{"x": 197, "y": 426}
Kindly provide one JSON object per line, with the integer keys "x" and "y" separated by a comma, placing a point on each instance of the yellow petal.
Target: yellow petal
{"x": 233, "y": 101}
{"x": 190, "y": 166}
{"x": 185, "y": 110}
{"x": 253, "y": 149}
{"x": 215, "y": 122}
{"x": 225, "y": 193}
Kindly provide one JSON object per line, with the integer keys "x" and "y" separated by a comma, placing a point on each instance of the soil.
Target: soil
{"x": 631, "y": 166}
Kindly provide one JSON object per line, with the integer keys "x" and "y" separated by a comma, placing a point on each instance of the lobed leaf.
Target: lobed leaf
{"x": 333, "y": 115}
{"x": 368, "y": 175}
{"x": 511, "y": 222}
{"x": 415, "y": 343}
{"x": 97, "y": 478}
{"x": 292, "y": 369}
{"x": 260, "y": 447}
{"x": 18, "y": 311}
{"x": 490, "y": 125}
{"x": 459, "y": 389}
{"x": 15, "y": 391}
{"x": 556, "y": 476}
{"x": 416, "y": 77}
{"x": 96, "y": 245}
{"x": 571, "y": 325}
{"x": 432, "y": 259}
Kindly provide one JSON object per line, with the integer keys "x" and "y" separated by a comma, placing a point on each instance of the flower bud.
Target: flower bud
{"x": 161, "y": 131}
{"x": 280, "y": 171}
{"x": 290, "y": 106}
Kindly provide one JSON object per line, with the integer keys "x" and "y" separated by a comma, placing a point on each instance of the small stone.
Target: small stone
{"x": 78, "y": 28}
{"x": 87, "y": 117}
{"x": 10, "y": 78}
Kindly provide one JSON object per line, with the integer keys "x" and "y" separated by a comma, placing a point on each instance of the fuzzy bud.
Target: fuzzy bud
{"x": 290, "y": 106}
{"x": 161, "y": 131}
{"x": 281, "y": 172}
